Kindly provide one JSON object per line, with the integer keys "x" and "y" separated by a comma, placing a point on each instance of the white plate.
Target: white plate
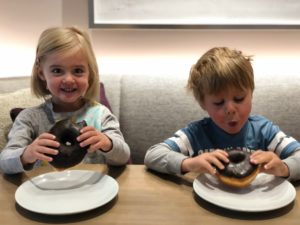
{"x": 67, "y": 192}
{"x": 265, "y": 193}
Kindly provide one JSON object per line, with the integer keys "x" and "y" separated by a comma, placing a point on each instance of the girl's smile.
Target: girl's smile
{"x": 67, "y": 76}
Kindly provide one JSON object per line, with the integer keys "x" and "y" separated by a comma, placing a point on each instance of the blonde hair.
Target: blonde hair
{"x": 60, "y": 40}
{"x": 220, "y": 69}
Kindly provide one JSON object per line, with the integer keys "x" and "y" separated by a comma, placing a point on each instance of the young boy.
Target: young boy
{"x": 222, "y": 82}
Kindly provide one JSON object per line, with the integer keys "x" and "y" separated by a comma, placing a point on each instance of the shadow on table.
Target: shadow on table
{"x": 16, "y": 179}
{"x": 115, "y": 171}
{"x": 296, "y": 183}
{"x": 180, "y": 180}
{"x": 243, "y": 215}
{"x": 58, "y": 219}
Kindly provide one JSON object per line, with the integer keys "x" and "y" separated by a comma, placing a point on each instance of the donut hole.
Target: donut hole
{"x": 237, "y": 158}
{"x": 68, "y": 139}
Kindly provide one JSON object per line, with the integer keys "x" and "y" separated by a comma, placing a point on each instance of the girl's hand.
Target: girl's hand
{"x": 95, "y": 139}
{"x": 44, "y": 144}
{"x": 203, "y": 162}
{"x": 270, "y": 162}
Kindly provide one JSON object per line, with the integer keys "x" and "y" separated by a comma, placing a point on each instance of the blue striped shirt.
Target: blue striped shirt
{"x": 258, "y": 133}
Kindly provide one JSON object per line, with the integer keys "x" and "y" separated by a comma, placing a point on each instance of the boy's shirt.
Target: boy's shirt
{"x": 258, "y": 133}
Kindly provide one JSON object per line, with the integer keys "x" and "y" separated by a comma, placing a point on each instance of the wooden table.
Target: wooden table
{"x": 144, "y": 197}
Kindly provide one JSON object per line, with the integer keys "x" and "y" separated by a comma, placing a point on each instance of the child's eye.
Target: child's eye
{"x": 78, "y": 71}
{"x": 56, "y": 70}
{"x": 239, "y": 99}
{"x": 219, "y": 103}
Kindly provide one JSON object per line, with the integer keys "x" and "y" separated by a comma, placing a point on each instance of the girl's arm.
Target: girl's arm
{"x": 120, "y": 152}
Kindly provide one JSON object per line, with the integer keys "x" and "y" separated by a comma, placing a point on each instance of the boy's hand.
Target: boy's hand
{"x": 203, "y": 162}
{"x": 270, "y": 162}
{"x": 96, "y": 140}
{"x": 44, "y": 144}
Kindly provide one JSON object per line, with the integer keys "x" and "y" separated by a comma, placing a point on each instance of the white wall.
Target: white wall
{"x": 21, "y": 22}
{"x": 138, "y": 51}
{"x": 174, "y": 51}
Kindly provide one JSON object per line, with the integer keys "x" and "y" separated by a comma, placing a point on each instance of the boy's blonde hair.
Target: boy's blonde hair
{"x": 60, "y": 40}
{"x": 220, "y": 69}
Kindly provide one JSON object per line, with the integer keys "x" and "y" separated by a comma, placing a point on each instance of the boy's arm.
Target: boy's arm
{"x": 163, "y": 159}
{"x": 293, "y": 163}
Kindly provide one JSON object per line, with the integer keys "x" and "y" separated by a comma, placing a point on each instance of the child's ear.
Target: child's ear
{"x": 41, "y": 74}
{"x": 202, "y": 105}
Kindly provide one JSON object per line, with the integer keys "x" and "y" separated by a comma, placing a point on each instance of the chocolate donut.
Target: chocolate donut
{"x": 239, "y": 172}
{"x": 69, "y": 152}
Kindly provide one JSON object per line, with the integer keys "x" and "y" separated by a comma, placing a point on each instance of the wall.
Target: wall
{"x": 138, "y": 51}
{"x": 21, "y": 22}
{"x": 174, "y": 51}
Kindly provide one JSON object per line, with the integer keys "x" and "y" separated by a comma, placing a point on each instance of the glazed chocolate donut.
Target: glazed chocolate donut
{"x": 69, "y": 152}
{"x": 239, "y": 172}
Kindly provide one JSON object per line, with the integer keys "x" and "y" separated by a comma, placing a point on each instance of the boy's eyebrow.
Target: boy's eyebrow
{"x": 81, "y": 65}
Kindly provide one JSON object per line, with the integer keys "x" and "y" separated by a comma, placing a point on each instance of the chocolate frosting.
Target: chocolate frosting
{"x": 70, "y": 153}
{"x": 239, "y": 165}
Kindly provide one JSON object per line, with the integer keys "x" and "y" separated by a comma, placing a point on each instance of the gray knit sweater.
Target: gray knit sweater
{"x": 32, "y": 122}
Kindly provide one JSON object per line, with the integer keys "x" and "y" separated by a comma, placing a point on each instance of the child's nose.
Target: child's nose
{"x": 230, "y": 108}
{"x": 68, "y": 78}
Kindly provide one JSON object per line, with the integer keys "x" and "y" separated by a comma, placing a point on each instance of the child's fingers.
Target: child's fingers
{"x": 48, "y": 143}
{"x": 87, "y": 134}
{"x": 44, "y": 154}
{"x": 216, "y": 162}
{"x": 210, "y": 169}
{"x": 260, "y": 157}
{"x": 87, "y": 128}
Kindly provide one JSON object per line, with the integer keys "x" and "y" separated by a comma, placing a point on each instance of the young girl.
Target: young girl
{"x": 65, "y": 74}
{"x": 222, "y": 82}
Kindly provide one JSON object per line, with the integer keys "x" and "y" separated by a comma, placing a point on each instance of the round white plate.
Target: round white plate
{"x": 265, "y": 193}
{"x": 67, "y": 192}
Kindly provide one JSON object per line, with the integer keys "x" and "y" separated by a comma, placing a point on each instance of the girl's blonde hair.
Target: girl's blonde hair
{"x": 60, "y": 40}
{"x": 220, "y": 69}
